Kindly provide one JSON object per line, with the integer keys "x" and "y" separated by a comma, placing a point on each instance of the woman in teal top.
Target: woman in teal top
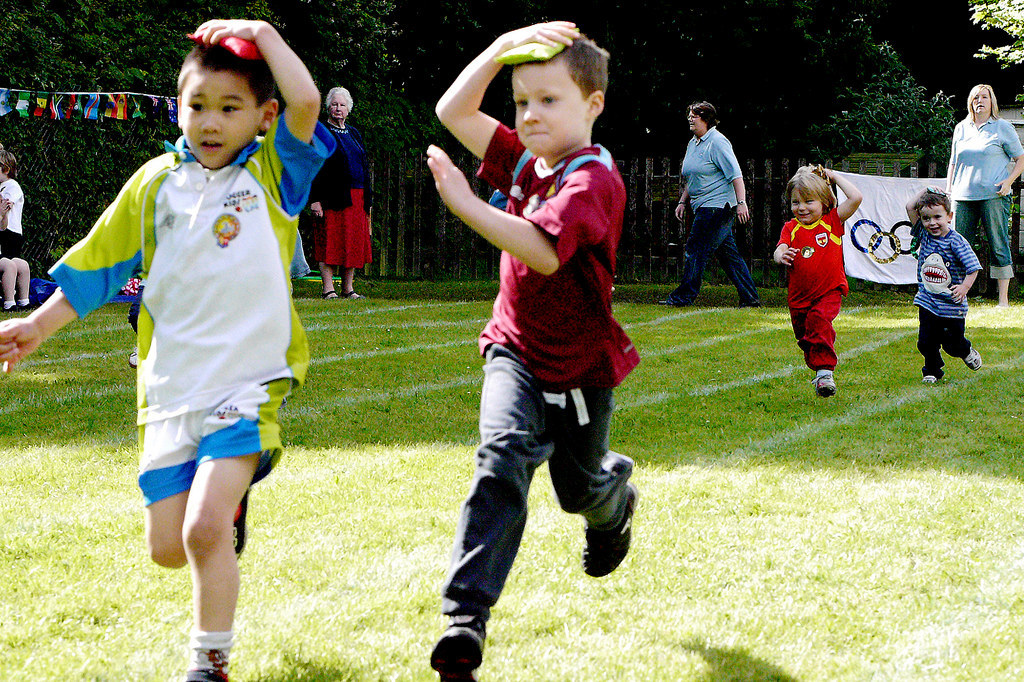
{"x": 980, "y": 177}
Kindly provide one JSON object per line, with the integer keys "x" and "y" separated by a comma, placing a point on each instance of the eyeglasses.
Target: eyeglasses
{"x": 936, "y": 190}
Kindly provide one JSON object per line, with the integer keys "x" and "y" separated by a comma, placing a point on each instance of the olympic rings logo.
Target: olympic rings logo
{"x": 881, "y": 245}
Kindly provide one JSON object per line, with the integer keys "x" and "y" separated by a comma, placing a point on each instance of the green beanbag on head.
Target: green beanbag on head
{"x": 529, "y": 52}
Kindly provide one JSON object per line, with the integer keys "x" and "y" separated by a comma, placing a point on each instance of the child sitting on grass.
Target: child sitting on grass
{"x": 15, "y": 276}
{"x": 811, "y": 245}
{"x": 554, "y": 351}
{"x": 220, "y": 344}
{"x": 946, "y": 269}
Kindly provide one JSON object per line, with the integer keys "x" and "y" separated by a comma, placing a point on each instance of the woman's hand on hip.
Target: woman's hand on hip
{"x": 317, "y": 209}
{"x": 1004, "y": 187}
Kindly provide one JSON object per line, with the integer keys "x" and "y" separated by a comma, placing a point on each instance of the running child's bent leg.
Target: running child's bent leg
{"x": 493, "y": 516}
{"x": 820, "y": 334}
{"x": 588, "y": 479}
{"x": 207, "y": 534}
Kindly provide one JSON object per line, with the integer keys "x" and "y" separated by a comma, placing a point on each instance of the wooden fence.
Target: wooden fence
{"x": 416, "y": 237}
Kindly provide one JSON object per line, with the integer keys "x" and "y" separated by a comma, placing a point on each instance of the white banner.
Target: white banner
{"x": 877, "y": 242}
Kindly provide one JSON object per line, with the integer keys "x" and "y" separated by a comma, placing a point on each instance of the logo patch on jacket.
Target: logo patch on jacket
{"x": 226, "y": 228}
{"x": 821, "y": 239}
{"x": 242, "y": 200}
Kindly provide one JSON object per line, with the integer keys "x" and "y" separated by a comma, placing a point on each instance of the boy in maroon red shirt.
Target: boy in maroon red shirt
{"x": 554, "y": 351}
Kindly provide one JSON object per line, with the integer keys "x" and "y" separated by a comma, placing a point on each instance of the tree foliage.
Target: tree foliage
{"x": 889, "y": 113}
{"x": 781, "y": 72}
{"x": 1006, "y": 16}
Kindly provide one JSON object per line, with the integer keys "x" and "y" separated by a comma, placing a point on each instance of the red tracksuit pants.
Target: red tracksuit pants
{"x": 814, "y": 332}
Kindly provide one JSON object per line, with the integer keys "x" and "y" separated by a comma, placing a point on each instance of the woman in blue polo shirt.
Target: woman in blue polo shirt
{"x": 980, "y": 177}
{"x": 713, "y": 186}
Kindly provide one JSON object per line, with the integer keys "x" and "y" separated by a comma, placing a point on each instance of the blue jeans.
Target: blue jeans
{"x": 994, "y": 216}
{"x": 520, "y": 429}
{"x": 299, "y": 267}
{"x": 711, "y": 232}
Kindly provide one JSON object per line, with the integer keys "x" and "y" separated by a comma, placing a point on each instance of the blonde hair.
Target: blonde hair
{"x": 8, "y": 162}
{"x": 974, "y": 93}
{"x": 812, "y": 183}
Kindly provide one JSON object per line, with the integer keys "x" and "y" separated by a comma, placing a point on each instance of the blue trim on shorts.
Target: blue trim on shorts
{"x": 241, "y": 438}
{"x": 159, "y": 484}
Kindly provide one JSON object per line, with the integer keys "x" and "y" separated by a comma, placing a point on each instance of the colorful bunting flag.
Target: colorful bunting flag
{"x": 57, "y": 105}
{"x": 117, "y": 106}
{"x": 91, "y": 107}
{"x": 24, "y": 97}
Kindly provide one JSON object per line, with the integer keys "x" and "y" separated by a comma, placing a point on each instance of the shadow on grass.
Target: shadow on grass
{"x": 734, "y": 665}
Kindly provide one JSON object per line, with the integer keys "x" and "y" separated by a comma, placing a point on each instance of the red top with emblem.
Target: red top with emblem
{"x": 818, "y": 268}
{"x": 561, "y": 325}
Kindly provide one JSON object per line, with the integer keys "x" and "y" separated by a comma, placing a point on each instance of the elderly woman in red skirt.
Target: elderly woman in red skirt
{"x": 341, "y": 198}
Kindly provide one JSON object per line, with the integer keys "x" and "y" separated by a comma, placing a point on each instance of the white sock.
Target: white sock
{"x": 8, "y": 305}
{"x": 22, "y": 301}
{"x": 823, "y": 373}
{"x": 210, "y": 650}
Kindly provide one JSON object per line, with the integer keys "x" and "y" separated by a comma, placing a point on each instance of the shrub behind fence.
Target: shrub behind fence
{"x": 70, "y": 170}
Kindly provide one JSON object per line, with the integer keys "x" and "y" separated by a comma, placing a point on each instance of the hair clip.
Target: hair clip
{"x": 240, "y": 47}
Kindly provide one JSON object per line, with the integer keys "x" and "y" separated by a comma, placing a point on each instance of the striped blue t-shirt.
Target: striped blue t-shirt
{"x": 943, "y": 262}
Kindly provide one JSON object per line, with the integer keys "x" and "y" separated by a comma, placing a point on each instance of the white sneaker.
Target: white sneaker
{"x": 133, "y": 359}
{"x": 929, "y": 379}
{"x": 973, "y": 360}
{"x": 824, "y": 385}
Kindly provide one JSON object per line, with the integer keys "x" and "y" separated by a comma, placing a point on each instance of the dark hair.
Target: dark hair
{"x": 706, "y": 111}
{"x": 931, "y": 197}
{"x": 216, "y": 58}
{"x": 587, "y": 64}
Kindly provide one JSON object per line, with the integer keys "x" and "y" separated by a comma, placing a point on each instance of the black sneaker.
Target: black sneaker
{"x": 460, "y": 649}
{"x": 239, "y": 530}
{"x": 606, "y": 549}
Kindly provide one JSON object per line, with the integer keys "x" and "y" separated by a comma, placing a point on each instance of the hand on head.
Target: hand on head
{"x": 214, "y": 31}
{"x": 547, "y": 33}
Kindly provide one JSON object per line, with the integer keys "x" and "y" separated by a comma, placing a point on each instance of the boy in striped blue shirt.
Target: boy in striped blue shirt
{"x": 946, "y": 269}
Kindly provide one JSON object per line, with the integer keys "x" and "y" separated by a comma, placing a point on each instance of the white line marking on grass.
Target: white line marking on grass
{"x": 362, "y": 355}
{"x": 388, "y": 309}
{"x": 41, "y": 399}
{"x": 79, "y": 331}
{"x": 675, "y": 316}
{"x": 46, "y": 360}
{"x": 710, "y": 389}
{"x": 314, "y": 411}
{"x": 423, "y": 324}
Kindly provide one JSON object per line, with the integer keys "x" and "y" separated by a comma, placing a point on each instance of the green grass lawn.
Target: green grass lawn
{"x": 872, "y": 536}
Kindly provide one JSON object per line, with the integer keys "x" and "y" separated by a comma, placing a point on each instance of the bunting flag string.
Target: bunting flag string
{"x": 91, "y": 106}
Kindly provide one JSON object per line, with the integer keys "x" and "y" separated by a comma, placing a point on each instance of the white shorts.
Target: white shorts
{"x": 243, "y": 424}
